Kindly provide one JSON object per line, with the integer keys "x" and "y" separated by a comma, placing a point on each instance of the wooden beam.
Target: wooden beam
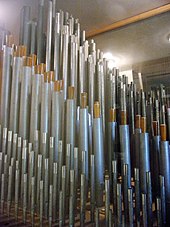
{"x": 130, "y": 20}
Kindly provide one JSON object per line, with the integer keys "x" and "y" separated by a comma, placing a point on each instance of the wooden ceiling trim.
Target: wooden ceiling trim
{"x": 130, "y": 20}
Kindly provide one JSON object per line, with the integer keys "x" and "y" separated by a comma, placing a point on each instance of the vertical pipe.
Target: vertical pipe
{"x": 49, "y": 37}
{"x": 99, "y": 154}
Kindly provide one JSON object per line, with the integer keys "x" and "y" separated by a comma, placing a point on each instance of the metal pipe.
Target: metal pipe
{"x": 107, "y": 201}
{"x": 159, "y": 212}
{"x": 46, "y": 187}
{"x": 144, "y": 211}
{"x": 162, "y": 197}
{"x": 50, "y": 214}
{"x": 130, "y": 206}
{"x": 6, "y": 85}
{"x": 25, "y": 95}
{"x": 70, "y": 122}
{"x": 99, "y": 154}
{"x": 49, "y": 37}
{"x": 165, "y": 167}
{"x": 144, "y": 160}
{"x": 119, "y": 205}
{"x": 25, "y": 195}
{"x": 41, "y": 193}
{"x": 56, "y": 117}
{"x": 32, "y": 200}
{"x": 35, "y": 105}
{"x": 125, "y": 150}
{"x": 82, "y": 200}
{"x": 149, "y": 198}
{"x": 40, "y": 25}
{"x": 61, "y": 213}
{"x": 55, "y": 190}
{"x": 137, "y": 196}
{"x": 15, "y": 93}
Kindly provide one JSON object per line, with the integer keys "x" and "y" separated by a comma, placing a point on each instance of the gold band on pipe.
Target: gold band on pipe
{"x": 138, "y": 121}
{"x": 112, "y": 115}
{"x": 123, "y": 118}
{"x": 70, "y": 92}
{"x": 96, "y": 109}
{"x": 57, "y": 85}
{"x": 83, "y": 100}
{"x": 143, "y": 124}
{"x": 163, "y": 132}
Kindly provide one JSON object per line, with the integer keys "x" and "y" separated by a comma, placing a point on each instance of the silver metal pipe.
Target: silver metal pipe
{"x": 82, "y": 200}
{"x": 41, "y": 205}
{"x": 32, "y": 200}
{"x": 25, "y": 196}
{"x": 35, "y": 105}
{"x": 71, "y": 211}
{"x": 163, "y": 199}
{"x": 72, "y": 189}
{"x": 4, "y": 140}
{"x": 97, "y": 217}
{"x": 125, "y": 191}
{"x": 25, "y": 95}
{"x": 6, "y": 86}
{"x": 114, "y": 185}
{"x": 144, "y": 211}
{"x": 50, "y": 214}
{"x": 111, "y": 145}
{"x": 63, "y": 187}
{"x": 144, "y": 160}
{"x": 17, "y": 184}
{"x": 24, "y": 168}
{"x": 130, "y": 206}
{"x": 64, "y": 59}
{"x": 125, "y": 150}
{"x": 159, "y": 212}
{"x": 99, "y": 159}
{"x": 49, "y": 37}
{"x": 2, "y": 192}
{"x": 165, "y": 167}
{"x": 57, "y": 46}
{"x": 45, "y": 115}
{"x": 119, "y": 205}
{"x": 70, "y": 126}
{"x": 61, "y": 212}
{"x": 60, "y": 163}
{"x": 55, "y": 189}
{"x": 33, "y": 37}
{"x": 25, "y": 17}
{"x": 76, "y": 166}
{"x": 168, "y": 116}
{"x": 149, "y": 198}
{"x": 56, "y": 120}
{"x": 39, "y": 178}
{"x": 107, "y": 201}
{"x": 83, "y": 139}
{"x": 40, "y": 25}
{"x": 15, "y": 94}
{"x": 46, "y": 187}
{"x": 9, "y": 193}
{"x": 137, "y": 196}
{"x": 9, "y": 146}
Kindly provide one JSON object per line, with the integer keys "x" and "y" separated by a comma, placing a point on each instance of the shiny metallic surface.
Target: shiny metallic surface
{"x": 144, "y": 160}
{"x": 125, "y": 150}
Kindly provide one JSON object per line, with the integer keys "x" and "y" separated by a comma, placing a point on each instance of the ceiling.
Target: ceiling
{"x": 138, "y": 42}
